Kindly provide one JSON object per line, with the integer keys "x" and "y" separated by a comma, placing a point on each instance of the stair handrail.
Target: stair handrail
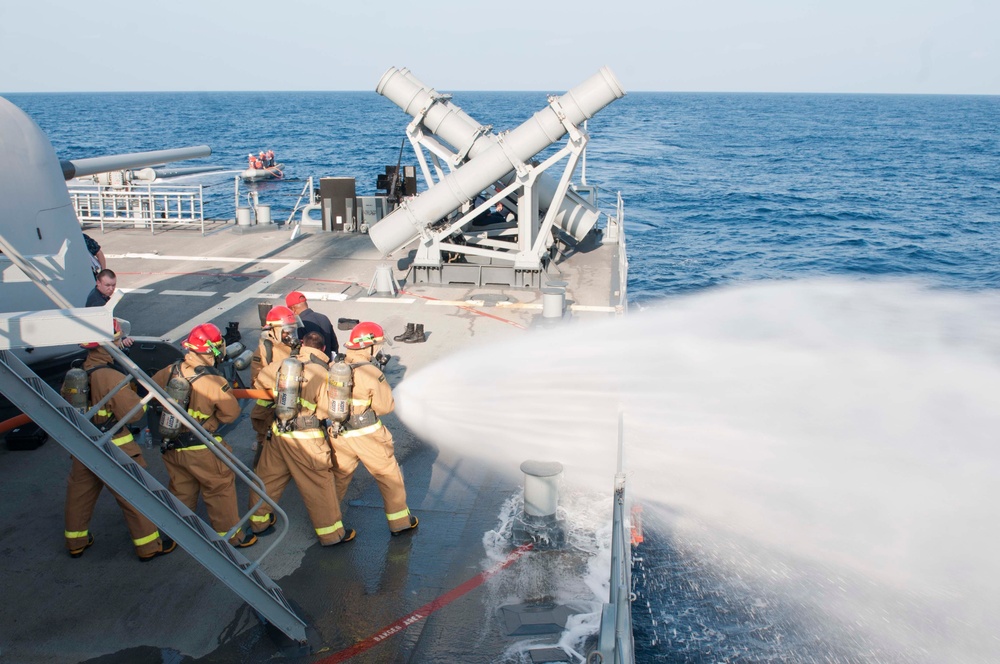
{"x": 228, "y": 459}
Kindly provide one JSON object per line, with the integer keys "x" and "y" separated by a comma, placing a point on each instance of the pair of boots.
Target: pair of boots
{"x": 414, "y": 334}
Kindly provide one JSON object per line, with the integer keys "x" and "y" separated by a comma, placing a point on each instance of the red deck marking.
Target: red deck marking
{"x": 471, "y": 310}
{"x": 425, "y": 610}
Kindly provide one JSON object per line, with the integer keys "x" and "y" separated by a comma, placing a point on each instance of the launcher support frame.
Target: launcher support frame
{"x": 534, "y": 236}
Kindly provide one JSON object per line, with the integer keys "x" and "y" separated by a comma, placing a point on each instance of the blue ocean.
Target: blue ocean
{"x": 720, "y": 190}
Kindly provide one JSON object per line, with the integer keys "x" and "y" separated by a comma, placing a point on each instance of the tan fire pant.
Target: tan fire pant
{"x": 261, "y": 419}
{"x": 375, "y": 450}
{"x": 81, "y": 496}
{"x": 303, "y": 456}
{"x": 195, "y": 470}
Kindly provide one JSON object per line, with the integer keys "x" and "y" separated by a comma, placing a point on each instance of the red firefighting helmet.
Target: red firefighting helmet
{"x": 283, "y": 318}
{"x": 280, "y": 315}
{"x": 117, "y": 336}
{"x": 205, "y": 338}
{"x": 364, "y": 335}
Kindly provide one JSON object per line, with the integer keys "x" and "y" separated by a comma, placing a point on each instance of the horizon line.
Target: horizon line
{"x": 539, "y": 91}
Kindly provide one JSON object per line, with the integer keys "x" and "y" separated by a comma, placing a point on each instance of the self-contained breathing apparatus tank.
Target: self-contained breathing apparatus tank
{"x": 179, "y": 389}
{"x": 286, "y": 401}
{"x": 239, "y": 354}
{"x": 76, "y": 389}
{"x": 340, "y": 383}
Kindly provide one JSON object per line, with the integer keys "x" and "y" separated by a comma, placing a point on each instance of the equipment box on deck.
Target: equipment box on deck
{"x": 27, "y": 437}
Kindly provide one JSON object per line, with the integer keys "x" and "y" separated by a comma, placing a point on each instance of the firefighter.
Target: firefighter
{"x": 365, "y": 438}
{"x": 298, "y": 449}
{"x": 84, "y": 486}
{"x": 192, "y": 467}
{"x": 280, "y": 332}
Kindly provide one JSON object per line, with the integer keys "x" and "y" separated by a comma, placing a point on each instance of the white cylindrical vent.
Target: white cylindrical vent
{"x": 243, "y": 217}
{"x": 492, "y": 163}
{"x": 385, "y": 284}
{"x": 553, "y": 302}
{"x": 263, "y": 214}
{"x": 541, "y": 487}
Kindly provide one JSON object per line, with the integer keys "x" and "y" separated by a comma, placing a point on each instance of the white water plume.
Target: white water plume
{"x": 849, "y": 425}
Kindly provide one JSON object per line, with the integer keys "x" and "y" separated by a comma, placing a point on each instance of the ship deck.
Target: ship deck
{"x": 107, "y": 607}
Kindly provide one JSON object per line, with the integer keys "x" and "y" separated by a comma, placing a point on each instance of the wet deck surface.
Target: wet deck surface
{"x": 106, "y": 607}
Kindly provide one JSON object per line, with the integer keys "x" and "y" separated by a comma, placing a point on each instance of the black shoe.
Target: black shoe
{"x": 167, "y": 544}
{"x": 248, "y": 539}
{"x": 349, "y": 534}
{"x": 418, "y": 336}
{"x": 76, "y": 553}
{"x": 405, "y": 335}
{"x": 414, "y": 522}
{"x": 270, "y": 526}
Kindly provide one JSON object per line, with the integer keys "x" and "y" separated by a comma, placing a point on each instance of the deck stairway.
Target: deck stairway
{"x": 78, "y": 435}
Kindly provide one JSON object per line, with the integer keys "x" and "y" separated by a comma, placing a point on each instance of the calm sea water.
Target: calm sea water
{"x": 719, "y": 189}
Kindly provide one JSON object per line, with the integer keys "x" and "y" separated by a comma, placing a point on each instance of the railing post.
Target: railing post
{"x": 152, "y": 207}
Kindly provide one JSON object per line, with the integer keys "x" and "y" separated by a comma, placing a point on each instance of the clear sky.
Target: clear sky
{"x": 895, "y": 46}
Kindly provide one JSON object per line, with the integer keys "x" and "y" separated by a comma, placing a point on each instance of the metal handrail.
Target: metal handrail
{"x": 227, "y": 457}
{"x": 136, "y": 204}
{"x": 614, "y": 641}
{"x": 308, "y": 187}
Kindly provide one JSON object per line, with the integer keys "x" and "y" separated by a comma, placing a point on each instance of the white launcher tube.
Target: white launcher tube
{"x": 443, "y": 119}
{"x": 490, "y": 162}
{"x": 458, "y": 129}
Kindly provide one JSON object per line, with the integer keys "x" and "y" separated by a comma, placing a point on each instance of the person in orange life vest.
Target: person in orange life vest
{"x": 365, "y": 438}
{"x": 298, "y": 449}
{"x": 193, "y": 468}
{"x": 84, "y": 486}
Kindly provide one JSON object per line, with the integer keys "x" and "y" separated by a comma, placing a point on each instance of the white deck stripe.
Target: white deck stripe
{"x": 137, "y": 291}
{"x": 518, "y": 305}
{"x": 206, "y": 259}
{"x": 456, "y": 303}
{"x": 197, "y": 293}
{"x": 324, "y": 297}
{"x": 253, "y": 291}
{"x": 386, "y": 300}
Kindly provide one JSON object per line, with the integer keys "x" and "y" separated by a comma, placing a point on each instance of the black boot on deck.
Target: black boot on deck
{"x": 405, "y": 335}
{"x": 417, "y": 337}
